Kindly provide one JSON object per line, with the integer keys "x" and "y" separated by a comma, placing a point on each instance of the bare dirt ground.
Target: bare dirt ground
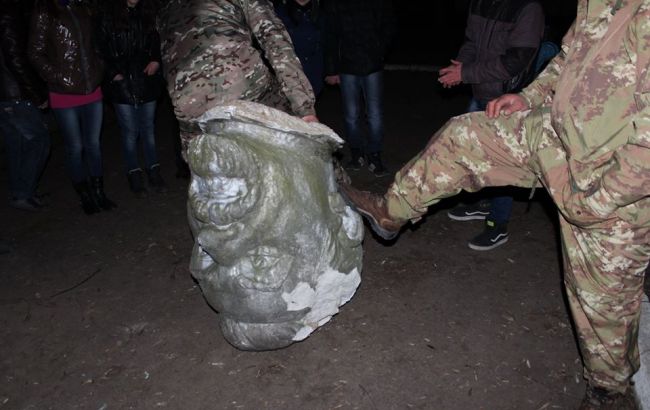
{"x": 101, "y": 312}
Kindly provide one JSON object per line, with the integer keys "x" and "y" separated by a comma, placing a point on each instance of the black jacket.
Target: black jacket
{"x": 357, "y": 35}
{"x": 501, "y": 42}
{"x": 127, "y": 49}
{"x": 18, "y": 80}
{"x": 62, "y": 49}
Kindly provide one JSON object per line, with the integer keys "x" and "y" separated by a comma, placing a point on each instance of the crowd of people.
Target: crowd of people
{"x": 70, "y": 57}
{"x": 579, "y": 129}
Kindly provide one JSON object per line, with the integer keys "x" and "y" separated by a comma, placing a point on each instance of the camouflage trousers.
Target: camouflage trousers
{"x": 604, "y": 264}
{"x": 189, "y": 106}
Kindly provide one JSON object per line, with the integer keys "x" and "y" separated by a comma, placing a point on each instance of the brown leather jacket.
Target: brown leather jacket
{"x": 61, "y": 48}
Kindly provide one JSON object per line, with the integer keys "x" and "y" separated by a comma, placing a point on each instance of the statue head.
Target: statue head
{"x": 276, "y": 251}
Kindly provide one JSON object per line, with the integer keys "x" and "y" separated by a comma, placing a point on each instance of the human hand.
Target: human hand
{"x": 506, "y": 105}
{"x": 310, "y": 118}
{"x": 118, "y": 77}
{"x": 333, "y": 79}
{"x": 451, "y": 75}
{"x": 151, "y": 68}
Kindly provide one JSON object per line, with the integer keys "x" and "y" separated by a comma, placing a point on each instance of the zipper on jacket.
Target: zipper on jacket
{"x": 82, "y": 52}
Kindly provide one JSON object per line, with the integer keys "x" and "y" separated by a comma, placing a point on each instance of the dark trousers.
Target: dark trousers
{"x": 28, "y": 146}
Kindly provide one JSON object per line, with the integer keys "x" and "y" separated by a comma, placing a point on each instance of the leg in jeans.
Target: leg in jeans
{"x": 91, "y": 128}
{"x": 501, "y": 209}
{"x": 28, "y": 145}
{"x": 373, "y": 94}
{"x": 127, "y": 118}
{"x": 351, "y": 92}
{"x": 69, "y": 120}
{"x": 146, "y": 124}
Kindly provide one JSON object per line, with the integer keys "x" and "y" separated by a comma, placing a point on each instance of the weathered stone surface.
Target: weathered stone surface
{"x": 277, "y": 251}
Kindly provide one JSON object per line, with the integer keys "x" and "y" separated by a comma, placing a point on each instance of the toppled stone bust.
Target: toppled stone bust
{"x": 277, "y": 251}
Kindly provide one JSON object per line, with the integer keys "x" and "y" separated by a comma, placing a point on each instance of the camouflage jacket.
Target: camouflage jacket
{"x": 598, "y": 89}
{"x": 210, "y": 56}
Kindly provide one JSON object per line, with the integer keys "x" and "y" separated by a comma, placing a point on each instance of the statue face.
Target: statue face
{"x": 277, "y": 251}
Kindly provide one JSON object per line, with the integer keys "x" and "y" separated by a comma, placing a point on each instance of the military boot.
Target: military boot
{"x": 597, "y": 398}
{"x": 374, "y": 208}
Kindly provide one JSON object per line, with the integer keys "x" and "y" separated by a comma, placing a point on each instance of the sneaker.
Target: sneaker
{"x": 376, "y": 166}
{"x": 29, "y": 204}
{"x": 374, "y": 208}
{"x": 494, "y": 235}
{"x": 477, "y": 211}
{"x": 597, "y": 398}
{"x": 136, "y": 181}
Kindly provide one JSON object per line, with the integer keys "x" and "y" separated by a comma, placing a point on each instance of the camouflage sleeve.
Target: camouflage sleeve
{"x": 278, "y": 50}
{"x": 627, "y": 179}
{"x": 543, "y": 86}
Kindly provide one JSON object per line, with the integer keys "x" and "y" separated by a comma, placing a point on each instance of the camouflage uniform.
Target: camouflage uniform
{"x": 587, "y": 141}
{"x": 210, "y": 58}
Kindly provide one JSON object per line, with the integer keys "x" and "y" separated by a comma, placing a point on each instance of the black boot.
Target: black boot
{"x": 136, "y": 182}
{"x": 155, "y": 179}
{"x": 88, "y": 203}
{"x": 97, "y": 187}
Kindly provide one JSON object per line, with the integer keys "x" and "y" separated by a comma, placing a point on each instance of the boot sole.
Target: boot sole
{"x": 374, "y": 224}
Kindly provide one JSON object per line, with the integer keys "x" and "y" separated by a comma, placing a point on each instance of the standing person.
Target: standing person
{"x": 501, "y": 42}
{"x": 22, "y": 93}
{"x": 210, "y": 58}
{"x": 130, "y": 47}
{"x": 304, "y": 22}
{"x": 62, "y": 50}
{"x": 357, "y": 36}
{"x": 582, "y": 130}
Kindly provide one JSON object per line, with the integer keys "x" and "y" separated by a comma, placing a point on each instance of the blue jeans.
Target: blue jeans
{"x": 500, "y": 206}
{"x": 137, "y": 122}
{"x": 28, "y": 145}
{"x": 371, "y": 88}
{"x": 81, "y": 128}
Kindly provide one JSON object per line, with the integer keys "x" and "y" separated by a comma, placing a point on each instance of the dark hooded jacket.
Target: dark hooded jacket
{"x": 501, "y": 42}
{"x": 357, "y": 35}
{"x": 127, "y": 48}
{"x": 61, "y": 47}
{"x": 18, "y": 80}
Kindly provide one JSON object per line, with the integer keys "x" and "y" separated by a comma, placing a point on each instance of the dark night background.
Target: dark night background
{"x": 430, "y": 32}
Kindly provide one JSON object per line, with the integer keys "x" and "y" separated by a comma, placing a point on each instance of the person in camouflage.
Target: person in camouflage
{"x": 210, "y": 58}
{"x": 582, "y": 130}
